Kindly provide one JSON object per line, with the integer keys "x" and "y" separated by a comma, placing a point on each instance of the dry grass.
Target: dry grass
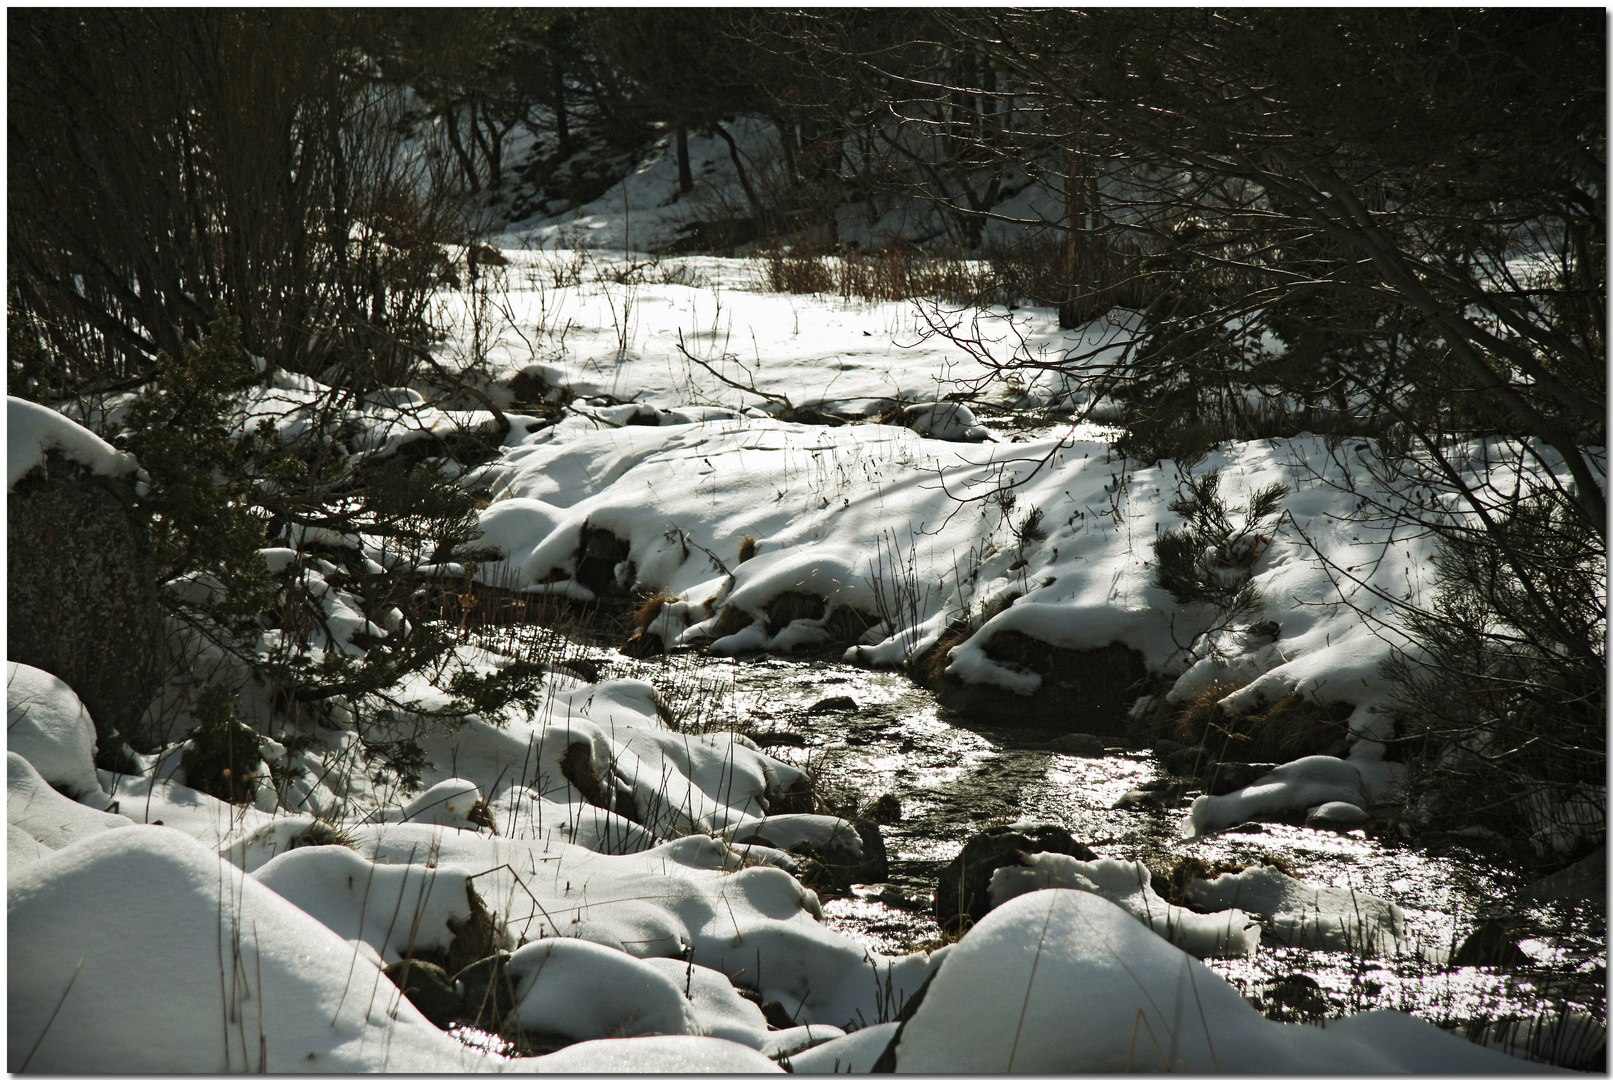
{"x": 928, "y": 668}
{"x": 1291, "y": 727}
{"x": 648, "y": 609}
{"x": 747, "y": 548}
{"x": 731, "y": 621}
{"x": 846, "y": 624}
{"x": 787, "y": 607}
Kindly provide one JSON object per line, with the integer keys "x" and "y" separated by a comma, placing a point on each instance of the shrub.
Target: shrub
{"x": 1504, "y": 694}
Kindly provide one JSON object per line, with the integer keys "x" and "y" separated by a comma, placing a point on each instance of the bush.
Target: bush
{"x": 1504, "y": 693}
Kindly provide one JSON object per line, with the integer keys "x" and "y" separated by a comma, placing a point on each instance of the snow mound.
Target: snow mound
{"x": 1064, "y": 981}
{"x": 1293, "y": 788}
{"x": 717, "y": 1008}
{"x": 949, "y": 420}
{"x": 47, "y": 724}
{"x": 139, "y": 950}
{"x": 854, "y": 1053}
{"x": 1127, "y": 884}
{"x": 655, "y": 1054}
{"x": 447, "y": 803}
{"x": 41, "y": 819}
{"x": 820, "y": 831}
{"x": 394, "y": 909}
{"x": 32, "y": 431}
{"x": 1339, "y": 920}
{"x": 584, "y": 990}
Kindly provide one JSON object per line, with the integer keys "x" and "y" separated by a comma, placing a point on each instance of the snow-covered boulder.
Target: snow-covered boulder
{"x": 1340, "y": 920}
{"x": 1294, "y": 788}
{"x": 453, "y": 802}
{"x": 139, "y": 950}
{"x": 48, "y": 724}
{"x": 40, "y": 819}
{"x": 397, "y": 910}
{"x": 583, "y": 990}
{"x": 949, "y": 420}
{"x": 81, "y": 586}
{"x": 1064, "y": 981}
{"x": 1229, "y": 932}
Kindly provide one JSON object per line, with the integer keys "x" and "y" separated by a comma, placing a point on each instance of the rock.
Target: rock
{"x": 1079, "y": 744}
{"x": 1493, "y": 944}
{"x": 1336, "y": 816}
{"x": 1584, "y": 880}
{"x": 486, "y": 992}
{"x": 1187, "y": 760}
{"x": 429, "y": 988}
{"x": 961, "y": 896}
{"x": 81, "y": 595}
{"x": 834, "y": 704}
{"x": 885, "y": 810}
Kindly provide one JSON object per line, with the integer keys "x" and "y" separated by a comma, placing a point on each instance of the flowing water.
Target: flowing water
{"x": 952, "y": 778}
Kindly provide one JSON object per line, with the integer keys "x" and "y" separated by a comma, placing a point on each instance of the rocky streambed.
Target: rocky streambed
{"x": 1481, "y": 948}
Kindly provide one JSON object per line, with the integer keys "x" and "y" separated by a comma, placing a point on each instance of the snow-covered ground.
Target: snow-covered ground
{"x": 625, "y": 863}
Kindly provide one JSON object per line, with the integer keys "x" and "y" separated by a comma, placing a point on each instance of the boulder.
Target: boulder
{"x": 81, "y": 592}
{"x": 47, "y": 724}
{"x": 961, "y": 892}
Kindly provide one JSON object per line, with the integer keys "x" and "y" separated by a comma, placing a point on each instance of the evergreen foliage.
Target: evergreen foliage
{"x": 223, "y": 758}
{"x": 180, "y": 429}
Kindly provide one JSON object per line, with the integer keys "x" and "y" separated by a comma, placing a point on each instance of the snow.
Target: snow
{"x": 47, "y": 724}
{"x": 1295, "y": 787}
{"x": 1127, "y": 885}
{"x": 393, "y": 909}
{"x": 583, "y": 990}
{"x": 33, "y": 430}
{"x": 821, "y": 832}
{"x": 1342, "y": 920}
{"x": 139, "y": 950}
{"x": 189, "y": 934}
{"x": 1065, "y": 981}
{"x": 855, "y": 1052}
{"x": 656, "y": 1054}
{"x": 40, "y": 819}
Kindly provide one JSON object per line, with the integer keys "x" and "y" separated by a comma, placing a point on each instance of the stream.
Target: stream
{"x": 953, "y": 777}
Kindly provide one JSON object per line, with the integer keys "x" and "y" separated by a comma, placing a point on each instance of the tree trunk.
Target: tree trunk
{"x": 1077, "y": 307}
{"x": 685, "y": 173}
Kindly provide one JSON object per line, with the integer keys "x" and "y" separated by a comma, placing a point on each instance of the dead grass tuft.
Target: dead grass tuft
{"x": 648, "y": 609}
{"x": 1291, "y": 727}
{"x": 787, "y": 607}
{"x": 928, "y": 668}
{"x": 747, "y": 547}
{"x": 847, "y": 624}
{"x": 731, "y": 621}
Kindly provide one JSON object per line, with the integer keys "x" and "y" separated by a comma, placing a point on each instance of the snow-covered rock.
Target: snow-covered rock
{"x": 32, "y": 431}
{"x": 48, "y": 724}
{"x": 1230, "y": 932}
{"x": 583, "y": 990}
{"x": 394, "y": 909}
{"x": 139, "y": 950}
{"x": 40, "y": 819}
{"x": 1064, "y": 981}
